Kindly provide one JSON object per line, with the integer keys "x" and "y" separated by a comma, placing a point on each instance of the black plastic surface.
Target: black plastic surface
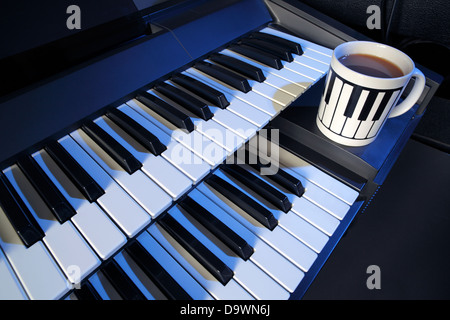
{"x": 404, "y": 231}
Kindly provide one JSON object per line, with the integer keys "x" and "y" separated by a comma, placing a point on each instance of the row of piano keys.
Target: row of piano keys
{"x": 68, "y": 211}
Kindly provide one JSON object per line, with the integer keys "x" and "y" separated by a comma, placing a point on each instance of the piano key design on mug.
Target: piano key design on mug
{"x": 353, "y": 111}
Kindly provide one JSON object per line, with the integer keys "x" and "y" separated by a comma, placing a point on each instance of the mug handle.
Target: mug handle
{"x": 413, "y": 95}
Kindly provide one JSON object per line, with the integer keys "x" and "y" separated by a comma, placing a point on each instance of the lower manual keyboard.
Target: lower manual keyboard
{"x": 123, "y": 173}
{"x": 227, "y": 253}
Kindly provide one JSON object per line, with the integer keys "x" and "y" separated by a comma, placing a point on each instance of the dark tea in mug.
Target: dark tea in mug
{"x": 371, "y": 65}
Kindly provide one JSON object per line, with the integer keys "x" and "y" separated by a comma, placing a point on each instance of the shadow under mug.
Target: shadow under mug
{"x": 354, "y": 106}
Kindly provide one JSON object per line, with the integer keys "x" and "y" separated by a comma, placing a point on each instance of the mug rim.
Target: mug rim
{"x": 364, "y": 77}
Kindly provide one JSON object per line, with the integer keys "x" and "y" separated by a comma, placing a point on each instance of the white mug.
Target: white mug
{"x": 355, "y": 106}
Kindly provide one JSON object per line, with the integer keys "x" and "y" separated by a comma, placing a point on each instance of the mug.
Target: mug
{"x": 355, "y": 105}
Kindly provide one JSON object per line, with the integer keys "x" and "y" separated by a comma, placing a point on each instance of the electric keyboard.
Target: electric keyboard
{"x": 148, "y": 199}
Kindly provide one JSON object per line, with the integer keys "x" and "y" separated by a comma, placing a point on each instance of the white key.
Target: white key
{"x": 146, "y": 192}
{"x": 301, "y": 82}
{"x": 291, "y": 248}
{"x": 95, "y": 226}
{"x": 177, "y": 272}
{"x": 68, "y": 247}
{"x": 173, "y": 181}
{"x": 235, "y": 123}
{"x": 315, "y": 215}
{"x": 249, "y": 113}
{"x": 206, "y": 149}
{"x": 256, "y": 100}
{"x": 323, "y": 58}
{"x": 35, "y": 268}
{"x": 328, "y": 113}
{"x": 187, "y": 161}
{"x": 99, "y": 230}
{"x": 319, "y": 67}
{"x": 11, "y": 289}
{"x": 220, "y": 135}
{"x": 275, "y": 265}
{"x": 304, "y": 68}
{"x": 247, "y": 274}
{"x": 122, "y": 209}
{"x": 273, "y": 93}
{"x": 231, "y": 291}
{"x": 169, "y": 178}
{"x": 320, "y": 197}
{"x": 292, "y": 223}
{"x": 282, "y": 84}
{"x": 178, "y": 155}
{"x": 214, "y": 131}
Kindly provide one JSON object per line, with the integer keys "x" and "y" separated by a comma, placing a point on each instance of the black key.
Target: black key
{"x": 160, "y": 277}
{"x": 352, "y": 101}
{"x": 87, "y": 292}
{"x": 186, "y": 100}
{"x": 259, "y": 186}
{"x": 114, "y": 149}
{"x": 247, "y": 70}
{"x": 201, "y": 253}
{"x": 232, "y": 79}
{"x": 79, "y": 177}
{"x": 367, "y": 107}
{"x": 18, "y": 214}
{"x": 52, "y": 197}
{"x": 121, "y": 282}
{"x": 138, "y": 132}
{"x": 253, "y": 208}
{"x": 202, "y": 90}
{"x": 383, "y": 104}
{"x": 272, "y": 48}
{"x": 284, "y": 179}
{"x": 218, "y": 228}
{"x": 258, "y": 55}
{"x": 294, "y": 47}
{"x": 167, "y": 111}
{"x": 330, "y": 86}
